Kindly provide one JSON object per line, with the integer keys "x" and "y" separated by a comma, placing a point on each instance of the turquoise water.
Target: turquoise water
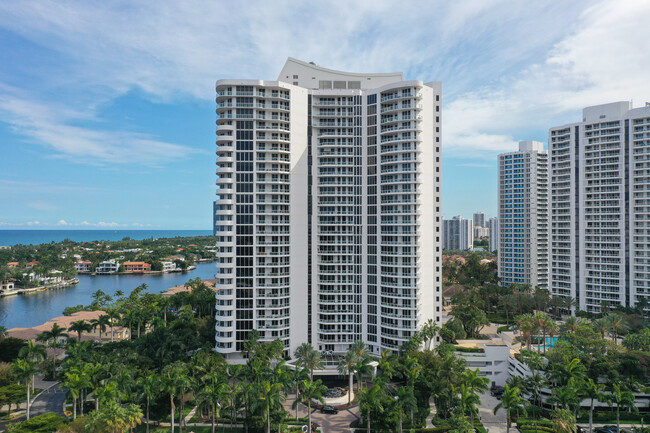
{"x": 35, "y": 237}
{"x": 550, "y": 342}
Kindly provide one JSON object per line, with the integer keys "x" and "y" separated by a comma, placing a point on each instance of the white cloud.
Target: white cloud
{"x": 51, "y": 125}
{"x": 509, "y": 68}
{"x": 604, "y": 60}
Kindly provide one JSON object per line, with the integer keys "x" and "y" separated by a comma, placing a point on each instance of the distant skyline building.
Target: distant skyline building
{"x": 481, "y": 232}
{"x": 600, "y": 207}
{"x": 479, "y": 219}
{"x": 523, "y": 215}
{"x": 328, "y": 211}
{"x": 457, "y": 234}
{"x": 493, "y": 225}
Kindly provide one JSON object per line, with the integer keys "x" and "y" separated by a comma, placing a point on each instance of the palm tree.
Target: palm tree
{"x": 24, "y": 371}
{"x": 310, "y": 391}
{"x": 541, "y": 320}
{"x": 510, "y": 401}
{"x": 566, "y": 397}
{"x": 468, "y": 401}
{"x": 171, "y": 373}
{"x": 309, "y": 358}
{"x": 113, "y": 318}
{"x": 150, "y": 386}
{"x": 616, "y": 325}
{"x": 270, "y": 397}
{"x": 34, "y": 353}
{"x": 564, "y": 421}
{"x": 80, "y": 326}
{"x": 347, "y": 365}
{"x": 362, "y": 368}
{"x": 594, "y": 392}
{"x": 405, "y": 399}
{"x": 211, "y": 396}
{"x": 526, "y": 324}
{"x": 102, "y": 323}
{"x": 3, "y": 333}
{"x": 429, "y": 332}
{"x": 370, "y": 400}
{"x": 534, "y": 384}
{"x": 298, "y": 376}
{"x": 571, "y": 324}
{"x": 51, "y": 338}
{"x": 74, "y": 384}
{"x": 601, "y": 326}
{"x": 622, "y": 399}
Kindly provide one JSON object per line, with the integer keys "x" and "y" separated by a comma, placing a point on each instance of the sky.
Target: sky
{"x": 107, "y": 112}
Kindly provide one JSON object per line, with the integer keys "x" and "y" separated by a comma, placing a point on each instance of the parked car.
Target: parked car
{"x": 610, "y": 429}
{"x": 497, "y": 391}
{"x": 329, "y": 409}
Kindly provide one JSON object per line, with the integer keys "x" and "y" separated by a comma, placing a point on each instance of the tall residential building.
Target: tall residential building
{"x": 493, "y": 225}
{"x": 523, "y": 215}
{"x": 479, "y": 219}
{"x": 328, "y": 209}
{"x": 457, "y": 234}
{"x": 600, "y": 207}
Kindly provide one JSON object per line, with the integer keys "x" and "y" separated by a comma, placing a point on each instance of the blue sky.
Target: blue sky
{"x": 107, "y": 108}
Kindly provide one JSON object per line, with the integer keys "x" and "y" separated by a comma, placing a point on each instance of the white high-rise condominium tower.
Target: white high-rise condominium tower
{"x": 600, "y": 207}
{"x": 479, "y": 219}
{"x": 457, "y": 234}
{"x": 328, "y": 209}
{"x": 493, "y": 224}
{"x": 523, "y": 215}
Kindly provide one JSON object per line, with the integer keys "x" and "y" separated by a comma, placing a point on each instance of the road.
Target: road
{"x": 493, "y": 423}
{"x": 329, "y": 423}
{"x": 50, "y": 400}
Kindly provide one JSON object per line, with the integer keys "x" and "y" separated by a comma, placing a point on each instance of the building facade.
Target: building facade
{"x": 493, "y": 225}
{"x": 328, "y": 209}
{"x": 523, "y": 215}
{"x": 457, "y": 234}
{"x": 479, "y": 219}
{"x": 600, "y": 207}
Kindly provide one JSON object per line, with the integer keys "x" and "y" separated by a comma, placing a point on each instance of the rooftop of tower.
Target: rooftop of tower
{"x": 312, "y": 76}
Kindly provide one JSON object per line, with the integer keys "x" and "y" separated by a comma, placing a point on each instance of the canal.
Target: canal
{"x": 36, "y": 308}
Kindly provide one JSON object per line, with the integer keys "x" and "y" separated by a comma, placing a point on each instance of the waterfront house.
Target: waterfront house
{"x": 6, "y": 285}
{"x": 82, "y": 267}
{"x": 31, "y": 265}
{"x": 177, "y": 257}
{"x": 136, "y": 267}
{"x": 13, "y": 264}
{"x": 168, "y": 266}
{"x": 108, "y": 267}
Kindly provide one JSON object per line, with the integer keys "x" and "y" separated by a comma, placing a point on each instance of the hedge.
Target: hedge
{"x": 469, "y": 349}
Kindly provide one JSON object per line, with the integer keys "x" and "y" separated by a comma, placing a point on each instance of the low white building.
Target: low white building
{"x": 489, "y": 356}
{"x": 168, "y": 266}
{"x": 108, "y": 267}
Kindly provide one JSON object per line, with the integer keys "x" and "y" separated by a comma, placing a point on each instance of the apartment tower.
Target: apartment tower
{"x": 523, "y": 215}
{"x": 479, "y": 219}
{"x": 457, "y": 234}
{"x": 328, "y": 209}
{"x": 600, "y": 207}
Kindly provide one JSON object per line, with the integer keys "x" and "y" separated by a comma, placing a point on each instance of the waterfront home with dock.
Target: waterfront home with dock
{"x": 136, "y": 267}
{"x": 83, "y": 267}
{"x": 6, "y": 286}
{"x": 108, "y": 267}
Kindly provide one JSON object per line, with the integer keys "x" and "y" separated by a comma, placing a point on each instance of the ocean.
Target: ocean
{"x": 35, "y": 237}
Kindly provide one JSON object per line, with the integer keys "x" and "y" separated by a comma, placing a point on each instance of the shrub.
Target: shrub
{"x": 469, "y": 349}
